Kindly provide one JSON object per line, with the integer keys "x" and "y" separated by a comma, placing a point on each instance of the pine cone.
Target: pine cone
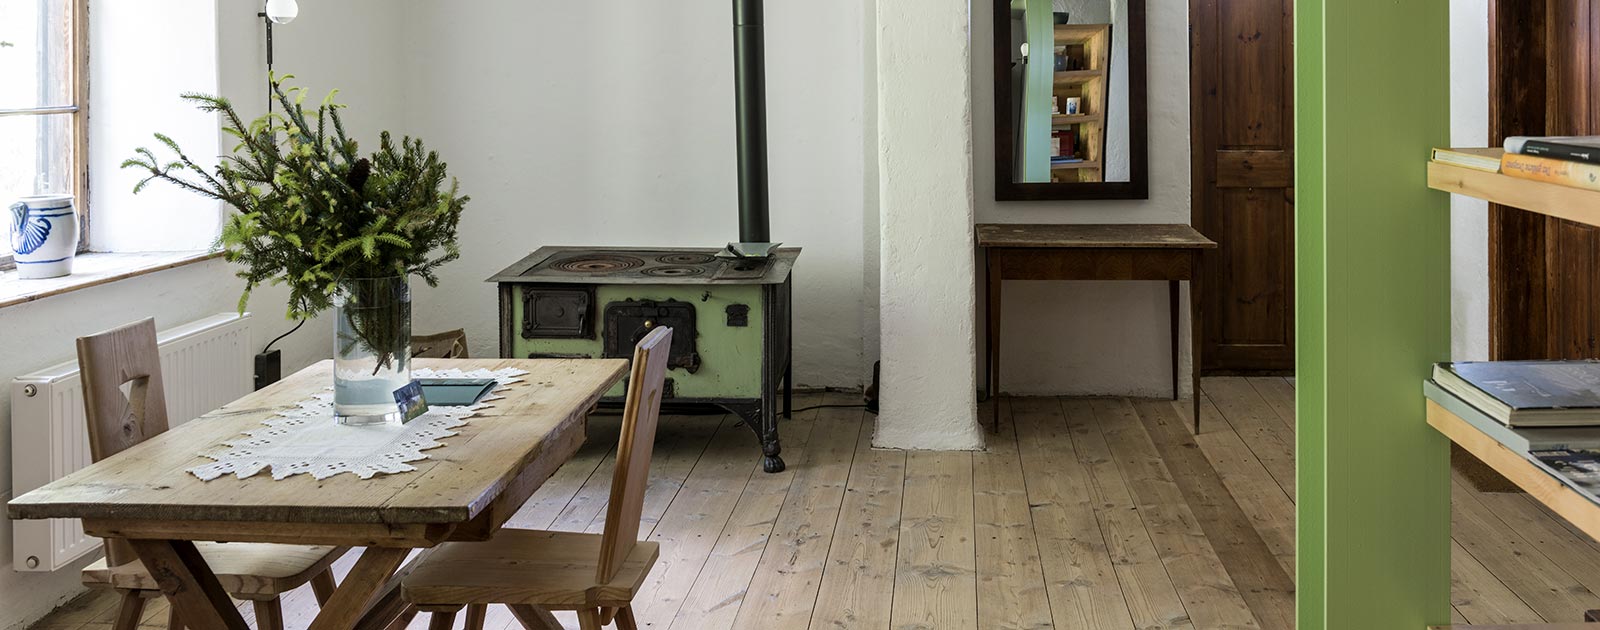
{"x": 359, "y": 172}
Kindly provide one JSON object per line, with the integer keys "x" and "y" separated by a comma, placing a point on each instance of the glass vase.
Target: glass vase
{"x": 371, "y": 349}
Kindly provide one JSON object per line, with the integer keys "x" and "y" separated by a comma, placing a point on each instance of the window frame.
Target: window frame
{"x": 79, "y": 110}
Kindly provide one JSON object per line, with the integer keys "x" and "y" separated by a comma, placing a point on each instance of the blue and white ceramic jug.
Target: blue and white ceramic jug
{"x": 44, "y": 235}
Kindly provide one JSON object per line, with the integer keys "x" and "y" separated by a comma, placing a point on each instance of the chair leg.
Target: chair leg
{"x": 129, "y": 611}
{"x": 406, "y": 615}
{"x": 534, "y": 618}
{"x": 269, "y": 613}
{"x": 589, "y": 619}
{"x": 322, "y": 585}
{"x": 476, "y": 614}
{"x": 625, "y": 620}
{"x": 442, "y": 620}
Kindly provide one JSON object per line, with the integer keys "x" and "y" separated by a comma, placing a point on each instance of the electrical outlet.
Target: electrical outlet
{"x": 269, "y": 368}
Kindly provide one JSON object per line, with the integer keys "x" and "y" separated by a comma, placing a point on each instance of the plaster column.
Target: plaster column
{"x": 924, "y": 156}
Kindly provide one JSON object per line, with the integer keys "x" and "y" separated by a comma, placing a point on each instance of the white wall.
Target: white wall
{"x": 924, "y": 119}
{"x": 341, "y": 44}
{"x": 1469, "y": 218}
{"x": 1095, "y": 337}
{"x": 602, "y": 123}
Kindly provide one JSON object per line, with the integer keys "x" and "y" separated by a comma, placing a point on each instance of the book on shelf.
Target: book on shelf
{"x": 1578, "y": 469}
{"x": 1521, "y": 440}
{"x": 1573, "y": 148}
{"x": 1487, "y": 160}
{"x": 1551, "y": 170}
{"x": 1527, "y": 393}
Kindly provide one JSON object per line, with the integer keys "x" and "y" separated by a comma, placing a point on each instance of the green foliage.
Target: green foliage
{"x": 311, "y": 210}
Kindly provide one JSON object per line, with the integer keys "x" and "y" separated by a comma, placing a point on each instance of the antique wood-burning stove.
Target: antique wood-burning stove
{"x": 730, "y": 307}
{"x": 730, "y": 316}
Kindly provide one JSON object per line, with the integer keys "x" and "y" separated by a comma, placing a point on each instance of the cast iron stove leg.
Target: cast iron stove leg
{"x": 764, "y": 424}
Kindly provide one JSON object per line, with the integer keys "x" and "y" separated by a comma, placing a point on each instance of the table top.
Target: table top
{"x": 150, "y": 481}
{"x": 1093, "y": 236}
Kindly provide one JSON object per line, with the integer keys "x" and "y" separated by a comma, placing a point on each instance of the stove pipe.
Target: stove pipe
{"x": 749, "y": 75}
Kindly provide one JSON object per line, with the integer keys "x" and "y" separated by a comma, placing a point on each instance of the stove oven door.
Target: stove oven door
{"x": 629, "y": 321}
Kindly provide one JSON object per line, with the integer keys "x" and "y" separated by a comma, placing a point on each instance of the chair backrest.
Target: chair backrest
{"x": 445, "y": 345}
{"x": 639, "y": 418}
{"x": 108, "y": 361}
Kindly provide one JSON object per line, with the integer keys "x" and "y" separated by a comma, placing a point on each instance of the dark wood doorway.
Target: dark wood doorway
{"x": 1544, "y": 272}
{"x": 1242, "y": 130}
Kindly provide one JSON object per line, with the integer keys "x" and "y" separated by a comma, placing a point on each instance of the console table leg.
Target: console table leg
{"x": 1177, "y": 345}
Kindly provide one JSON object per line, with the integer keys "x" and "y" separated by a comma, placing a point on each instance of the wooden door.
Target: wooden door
{"x": 1544, "y": 273}
{"x": 1242, "y": 130}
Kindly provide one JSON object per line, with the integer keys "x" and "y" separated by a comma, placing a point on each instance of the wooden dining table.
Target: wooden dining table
{"x": 464, "y": 491}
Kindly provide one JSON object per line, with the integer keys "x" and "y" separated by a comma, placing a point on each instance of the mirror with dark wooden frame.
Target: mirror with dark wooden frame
{"x": 1070, "y": 112}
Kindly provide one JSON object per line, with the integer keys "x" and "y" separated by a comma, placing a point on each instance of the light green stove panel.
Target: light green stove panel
{"x": 730, "y": 356}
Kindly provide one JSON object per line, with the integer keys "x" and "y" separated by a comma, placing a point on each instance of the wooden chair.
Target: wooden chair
{"x": 125, "y": 404}
{"x": 445, "y": 345}
{"x": 534, "y": 572}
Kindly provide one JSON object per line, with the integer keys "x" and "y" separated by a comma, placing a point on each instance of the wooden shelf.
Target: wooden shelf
{"x": 1565, "y": 202}
{"x": 1059, "y": 120}
{"x": 1073, "y": 34}
{"x": 1540, "y": 486}
{"x": 1070, "y": 166}
{"x": 1078, "y": 77}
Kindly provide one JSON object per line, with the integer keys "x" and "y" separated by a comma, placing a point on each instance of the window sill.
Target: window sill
{"x": 94, "y": 269}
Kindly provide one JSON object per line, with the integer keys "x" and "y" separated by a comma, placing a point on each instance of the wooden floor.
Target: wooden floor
{"x": 1083, "y": 513}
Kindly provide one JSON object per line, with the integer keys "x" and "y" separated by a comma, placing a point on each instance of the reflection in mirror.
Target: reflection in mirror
{"x": 1063, "y": 97}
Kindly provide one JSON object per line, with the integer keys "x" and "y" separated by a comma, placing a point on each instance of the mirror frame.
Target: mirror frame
{"x": 1006, "y": 188}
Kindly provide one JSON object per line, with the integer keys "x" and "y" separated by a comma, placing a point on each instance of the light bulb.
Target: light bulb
{"x": 282, "y": 11}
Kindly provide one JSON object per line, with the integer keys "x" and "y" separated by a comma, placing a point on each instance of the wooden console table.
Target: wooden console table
{"x": 1169, "y": 252}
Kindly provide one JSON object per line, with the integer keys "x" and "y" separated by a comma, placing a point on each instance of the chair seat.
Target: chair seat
{"x": 246, "y": 570}
{"x": 551, "y": 570}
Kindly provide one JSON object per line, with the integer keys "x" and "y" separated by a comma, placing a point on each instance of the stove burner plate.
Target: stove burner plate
{"x": 673, "y": 271}
{"x": 685, "y": 258}
{"x": 597, "y": 263}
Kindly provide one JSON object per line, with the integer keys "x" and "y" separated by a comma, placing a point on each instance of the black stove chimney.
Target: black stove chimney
{"x": 749, "y": 72}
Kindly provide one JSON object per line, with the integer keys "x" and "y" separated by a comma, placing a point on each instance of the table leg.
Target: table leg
{"x": 1196, "y": 333}
{"x": 189, "y": 584}
{"x": 1172, "y": 303}
{"x": 367, "y": 579}
{"x": 991, "y": 328}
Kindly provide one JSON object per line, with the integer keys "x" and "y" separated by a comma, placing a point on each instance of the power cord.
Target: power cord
{"x": 280, "y": 337}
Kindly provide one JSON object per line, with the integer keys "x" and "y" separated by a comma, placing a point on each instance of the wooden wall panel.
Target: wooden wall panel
{"x": 1544, "y": 273}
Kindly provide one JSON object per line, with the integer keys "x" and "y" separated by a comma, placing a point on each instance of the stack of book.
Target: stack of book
{"x": 1548, "y": 410}
{"x": 1565, "y": 160}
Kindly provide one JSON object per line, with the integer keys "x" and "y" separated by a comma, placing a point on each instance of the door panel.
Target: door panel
{"x": 1242, "y": 124}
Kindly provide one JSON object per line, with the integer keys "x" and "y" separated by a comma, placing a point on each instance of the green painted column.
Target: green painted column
{"x": 1373, "y": 302}
{"x": 1038, "y": 83}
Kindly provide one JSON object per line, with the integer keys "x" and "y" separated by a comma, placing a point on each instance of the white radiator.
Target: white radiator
{"x": 205, "y": 364}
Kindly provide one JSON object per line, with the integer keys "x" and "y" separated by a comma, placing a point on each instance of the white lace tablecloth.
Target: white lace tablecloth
{"x": 307, "y": 440}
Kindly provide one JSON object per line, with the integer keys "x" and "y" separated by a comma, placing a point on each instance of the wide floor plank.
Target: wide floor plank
{"x": 714, "y": 600}
{"x": 694, "y": 521}
{"x": 935, "y": 580}
{"x": 1256, "y": 426}
{"x": 783, "y": 591}
{"x": 1262, "y": 581}
{"x": 1011, "y": 587}
{"x": 1152, "y": 597}
{"x": 857, "y": 588}
{"x": 1202, "y": 581}
{"x": 1080, "y": 579}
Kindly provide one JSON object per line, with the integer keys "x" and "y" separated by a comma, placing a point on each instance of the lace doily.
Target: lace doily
{"x": 306, "y": 440}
